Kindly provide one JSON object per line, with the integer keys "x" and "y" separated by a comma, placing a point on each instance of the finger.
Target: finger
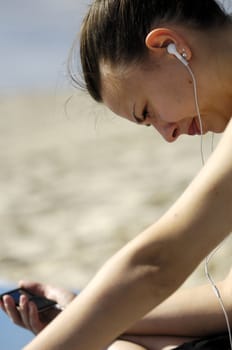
{"x": 12, "y": 311}
{"x": 30, "y": 315}
{"x": 35, "y": 324}
{"x": 2, "y": 306}
{"x": 24, "y": 311}
{"x": 34, "y": 287}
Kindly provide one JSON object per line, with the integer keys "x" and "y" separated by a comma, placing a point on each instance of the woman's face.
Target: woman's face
{"x": 160, "y": 95}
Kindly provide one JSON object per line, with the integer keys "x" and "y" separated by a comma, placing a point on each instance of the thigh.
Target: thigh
{"x": 153, "y": 342}
{"x": 125, "y": 345}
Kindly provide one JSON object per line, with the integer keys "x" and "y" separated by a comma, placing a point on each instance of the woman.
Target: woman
{"x": 129, "y": 65}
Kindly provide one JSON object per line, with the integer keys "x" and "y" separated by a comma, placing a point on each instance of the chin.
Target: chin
{"x": 221, "y": 124}
{"x": 220, "y": 129}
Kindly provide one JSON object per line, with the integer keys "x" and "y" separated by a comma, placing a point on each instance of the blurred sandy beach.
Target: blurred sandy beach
{"x": 77, "y": 183}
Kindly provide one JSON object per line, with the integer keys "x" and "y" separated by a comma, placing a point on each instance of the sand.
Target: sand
{"x": 77, "y": 183}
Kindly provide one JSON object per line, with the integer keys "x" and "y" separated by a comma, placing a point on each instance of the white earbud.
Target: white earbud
{"x": 171, "y": 48}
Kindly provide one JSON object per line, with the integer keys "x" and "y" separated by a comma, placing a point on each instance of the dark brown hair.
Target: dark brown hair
{"x": 115, "y": 31}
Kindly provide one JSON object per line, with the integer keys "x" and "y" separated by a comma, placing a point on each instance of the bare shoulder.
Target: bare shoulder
{"x": 226, "y": 139}
{"x": 221, "y": 159}
{"x": 214, "y": 182}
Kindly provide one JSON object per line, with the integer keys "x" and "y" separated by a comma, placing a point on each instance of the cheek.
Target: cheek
{"x": 175, "y": 102}
{"x": 170, "y": 106}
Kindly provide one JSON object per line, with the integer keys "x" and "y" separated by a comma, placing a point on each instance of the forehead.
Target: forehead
{"x": 120, "y": 88}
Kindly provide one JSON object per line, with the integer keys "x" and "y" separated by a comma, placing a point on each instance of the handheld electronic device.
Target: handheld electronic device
{"x": 42, "y": 303}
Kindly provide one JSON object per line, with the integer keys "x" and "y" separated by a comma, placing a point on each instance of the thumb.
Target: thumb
{"x": 34, "y": 287}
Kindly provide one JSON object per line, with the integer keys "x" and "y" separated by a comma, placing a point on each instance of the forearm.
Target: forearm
{"x": 178, "y": 314}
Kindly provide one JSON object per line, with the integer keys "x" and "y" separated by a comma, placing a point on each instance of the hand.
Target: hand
{"x": 27, "y": 315}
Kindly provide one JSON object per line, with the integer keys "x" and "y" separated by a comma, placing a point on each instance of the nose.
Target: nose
{"x": 169, "y": 131}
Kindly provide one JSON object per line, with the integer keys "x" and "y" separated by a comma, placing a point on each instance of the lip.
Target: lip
{"x": 193, "y": 128}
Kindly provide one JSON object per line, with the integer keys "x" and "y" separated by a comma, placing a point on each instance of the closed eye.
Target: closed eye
{"x": 143, "y": 118}
{"x": 145, "y": 114}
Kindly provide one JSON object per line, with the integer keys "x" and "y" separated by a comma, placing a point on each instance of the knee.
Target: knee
{"x": 125, "y": 345}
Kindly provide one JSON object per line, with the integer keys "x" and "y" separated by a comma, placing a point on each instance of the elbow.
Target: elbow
{"x": 159, "y": 271}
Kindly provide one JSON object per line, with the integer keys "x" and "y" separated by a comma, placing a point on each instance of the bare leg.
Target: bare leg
{"x": 125, "y": 345}
{"x": 149, "y": 342}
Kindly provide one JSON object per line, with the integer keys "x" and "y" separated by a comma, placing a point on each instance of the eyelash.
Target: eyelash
{"x": 145, "y": 114}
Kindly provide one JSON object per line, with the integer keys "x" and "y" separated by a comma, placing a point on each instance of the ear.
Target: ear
{"x": 159, "y": 38}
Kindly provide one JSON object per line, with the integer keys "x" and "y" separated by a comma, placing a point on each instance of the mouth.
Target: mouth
{"x": 194, "y": 129}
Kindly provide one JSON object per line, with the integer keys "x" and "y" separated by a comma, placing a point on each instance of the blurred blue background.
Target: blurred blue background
{"x": 35, "y": 40}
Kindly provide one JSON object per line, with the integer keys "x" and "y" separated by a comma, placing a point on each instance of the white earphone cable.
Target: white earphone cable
{"x": 198, "y": 111}
{"x": 216, "y": 290}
